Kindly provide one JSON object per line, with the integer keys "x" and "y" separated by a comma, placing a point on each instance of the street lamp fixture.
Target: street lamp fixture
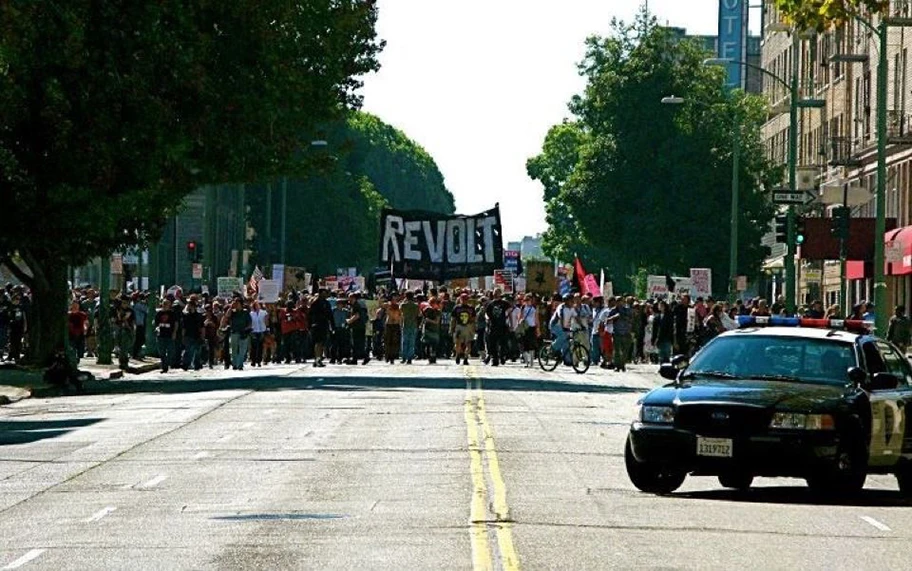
{"x": 672, "y": 100}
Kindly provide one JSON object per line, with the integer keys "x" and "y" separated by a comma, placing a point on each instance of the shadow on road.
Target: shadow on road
{"x": 167, "y": 386}
{"x": 27, "y": 431}
{"x": 798, "y": 495}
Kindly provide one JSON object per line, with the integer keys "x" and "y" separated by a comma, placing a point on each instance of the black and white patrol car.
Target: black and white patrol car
{"x": 822, "y": 400}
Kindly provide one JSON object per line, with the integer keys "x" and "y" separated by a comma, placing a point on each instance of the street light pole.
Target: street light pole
{"x": 790, "y": 250}
{"x": 880, "y": 225}
{"x": 735, "y": 210}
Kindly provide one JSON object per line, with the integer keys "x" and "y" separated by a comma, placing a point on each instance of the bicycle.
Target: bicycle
{"x": 549, "y": 359}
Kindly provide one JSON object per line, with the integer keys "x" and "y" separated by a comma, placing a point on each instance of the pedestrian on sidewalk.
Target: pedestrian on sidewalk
{"x": 192, "y": 326}
{"x": 140, "y": 313}
{"x": 240, "y": 323}
{"x": 320, "y": 319}
{"x": 410, "y": 313}
{"x": 259, "y": 325}
{"x": 124, "y": 327}
{"x": 357, "y": 324}
{"x": 164, "y": 330}
{"x": 392, "y": 330}
{"x": 77, "y": 325}
{"x": 899, "y": 331}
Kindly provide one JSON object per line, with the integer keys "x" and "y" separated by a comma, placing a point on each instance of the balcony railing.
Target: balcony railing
{"x": 899, "y": 128}
{"x": 843, "y": 152}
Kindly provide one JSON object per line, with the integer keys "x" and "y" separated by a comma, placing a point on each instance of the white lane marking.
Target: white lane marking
{"x": 155, "y": 481}
{"x": 269, "y": 412}
{"x": 200, "y": 455}
{"x": 33, "y": 554}
{"x": 875, "y": 523}
{"x": 226, "y": 438}
{"x": 247, "y": 425}
{"x": 100, "y": 514}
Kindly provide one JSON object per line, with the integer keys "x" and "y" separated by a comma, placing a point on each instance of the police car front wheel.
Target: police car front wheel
{"x": 650, "y": 477}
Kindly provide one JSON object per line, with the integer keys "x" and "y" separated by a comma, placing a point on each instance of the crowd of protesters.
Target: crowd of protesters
{"x": 431, "y": 324}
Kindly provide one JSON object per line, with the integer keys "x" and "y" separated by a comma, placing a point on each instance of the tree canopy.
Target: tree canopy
{"x": 111, "y": 112}
{"x": 334, "y": 202}
{"x": 823, "y": 14}
{"x": 631, "y": 183}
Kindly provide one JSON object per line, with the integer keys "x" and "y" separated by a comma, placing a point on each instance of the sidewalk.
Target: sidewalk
{"x": 17, "y": 383}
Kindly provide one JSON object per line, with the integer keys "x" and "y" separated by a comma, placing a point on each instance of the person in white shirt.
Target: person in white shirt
{"x": 259, "y": 322}
{"x": 599, "y": 313}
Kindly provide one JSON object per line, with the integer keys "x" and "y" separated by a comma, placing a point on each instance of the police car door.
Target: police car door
{"x": 899, "y": 366}
{"x": 887, "y": 414}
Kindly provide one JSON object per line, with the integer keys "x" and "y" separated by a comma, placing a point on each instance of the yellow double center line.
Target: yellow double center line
{"x": 488, "y": 514}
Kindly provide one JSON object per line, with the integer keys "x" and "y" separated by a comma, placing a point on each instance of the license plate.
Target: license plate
{"x": 718, "y": 447}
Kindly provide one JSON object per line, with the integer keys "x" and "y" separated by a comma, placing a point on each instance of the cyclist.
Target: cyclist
{"x": 562, "y": 325}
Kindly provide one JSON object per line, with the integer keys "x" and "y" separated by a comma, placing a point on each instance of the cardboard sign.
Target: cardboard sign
{"x": 504, "y": 280}
{"x": 657, "y": 288}
{"x": 701, "y": 278}
{"x": 295, "y": 278}
{"x": 270, "y": 290}
{"x": 540, "y": 278}
{"x": 228, "y": 286}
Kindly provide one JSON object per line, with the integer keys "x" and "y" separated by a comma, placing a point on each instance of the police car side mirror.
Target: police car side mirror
{"x": 857, "y": 375}
{"x": 668, "y": 371}
{"x": 680, "y": 361}
{"x": 884, "y": 382}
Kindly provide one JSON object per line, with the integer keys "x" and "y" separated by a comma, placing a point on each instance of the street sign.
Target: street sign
{"x": 813, "y": 275}
{"x": 893, "y": 252}
{"x": 789, "y": 197}
{"x": 116, "y": 264}
{"x": 197, "y": 271}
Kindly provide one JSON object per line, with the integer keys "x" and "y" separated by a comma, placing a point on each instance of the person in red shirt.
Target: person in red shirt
{"x": 77, "y": 326}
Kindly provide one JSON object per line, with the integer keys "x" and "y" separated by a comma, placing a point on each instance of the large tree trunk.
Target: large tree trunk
{"x": 47, "y": 316}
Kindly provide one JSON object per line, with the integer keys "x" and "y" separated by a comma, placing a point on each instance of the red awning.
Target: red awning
{"x": 858, "y": 270}
{"x": 902, "y": 238}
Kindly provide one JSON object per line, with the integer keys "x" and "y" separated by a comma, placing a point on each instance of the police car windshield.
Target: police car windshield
{"x": 773, "y": 357}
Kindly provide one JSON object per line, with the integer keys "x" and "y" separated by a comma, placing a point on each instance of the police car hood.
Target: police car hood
{"x": 797, "y": 396}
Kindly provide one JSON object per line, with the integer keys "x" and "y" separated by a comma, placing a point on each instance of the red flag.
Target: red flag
{"x": 580, "y": 275}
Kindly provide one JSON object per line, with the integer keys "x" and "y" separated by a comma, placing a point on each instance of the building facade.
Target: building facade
{"x": 837, "y": 144}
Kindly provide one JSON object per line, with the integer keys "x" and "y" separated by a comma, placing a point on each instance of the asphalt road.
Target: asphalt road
{"x": 392, "y": 467}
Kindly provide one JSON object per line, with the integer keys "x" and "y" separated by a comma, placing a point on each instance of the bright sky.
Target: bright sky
{"x": 478, "y": 83}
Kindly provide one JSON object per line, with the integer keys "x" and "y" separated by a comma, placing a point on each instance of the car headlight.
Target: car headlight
{"x": 657, "y": 414}
{"x": 800, "y": 421}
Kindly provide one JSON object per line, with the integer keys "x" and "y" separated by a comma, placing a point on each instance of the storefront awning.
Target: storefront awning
{"x": 898, "y": 246}
{"x": 858, "y": 269}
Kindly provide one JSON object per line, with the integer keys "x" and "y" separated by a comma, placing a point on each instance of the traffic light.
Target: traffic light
{"x": 781, "y": 225}
{"x": 799, "y": 230}
{"x": 840, "y": 226}
{"x": 199, "y": 252}
{"x": 191, "y": 251}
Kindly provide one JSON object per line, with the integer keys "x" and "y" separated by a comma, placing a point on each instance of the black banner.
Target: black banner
{"x": 431, "y": 246}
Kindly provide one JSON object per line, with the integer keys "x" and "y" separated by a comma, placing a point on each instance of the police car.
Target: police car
{"x": 818, "y": 399}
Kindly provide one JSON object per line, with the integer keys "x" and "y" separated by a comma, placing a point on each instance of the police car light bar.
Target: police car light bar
{"x": 823, "y": 323}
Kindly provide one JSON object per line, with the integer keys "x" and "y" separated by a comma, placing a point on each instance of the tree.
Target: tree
{"x": 824, "y": 14}
{"x": 111, "y": 112}
{"x": 638, "y": 184}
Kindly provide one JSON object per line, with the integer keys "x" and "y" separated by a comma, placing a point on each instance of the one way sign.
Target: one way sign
{"x": 789, "y": 197}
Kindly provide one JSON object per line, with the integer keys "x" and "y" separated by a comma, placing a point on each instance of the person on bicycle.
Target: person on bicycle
{"x": 562, "y": 324}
